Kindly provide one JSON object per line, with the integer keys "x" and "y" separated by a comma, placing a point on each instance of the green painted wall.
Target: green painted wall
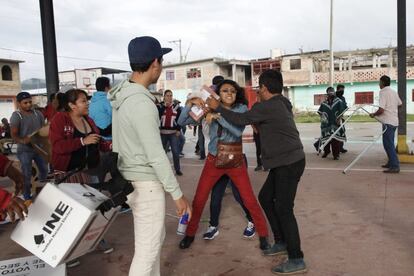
{"x": 302, "y": 97}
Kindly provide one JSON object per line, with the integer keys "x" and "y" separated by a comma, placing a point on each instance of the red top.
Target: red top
{"x": 5, "y": 196}
{"x": 49, "y": 112}
{"x": 62, "y": 140}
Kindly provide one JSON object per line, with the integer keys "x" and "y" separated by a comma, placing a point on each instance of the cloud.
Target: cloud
{"x": 233, "y": 29}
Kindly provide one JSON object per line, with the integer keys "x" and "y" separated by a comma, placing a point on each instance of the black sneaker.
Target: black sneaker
{"x": 344, "y": 151}
{"x": 385, "y": 166}
{"x": 292, "y": 266}
{"x": 211, "y": 233}
{"x": 186, "y": 242}
{"x": 179, "y": 173}
{"x": 325, "y": 154}
{"x": 392, "y": 170}
{"x": 278, "y": 248}
{"x": 258, "y": 168}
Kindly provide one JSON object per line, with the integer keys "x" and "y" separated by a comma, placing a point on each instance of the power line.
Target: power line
{"x": 67, "y": 57}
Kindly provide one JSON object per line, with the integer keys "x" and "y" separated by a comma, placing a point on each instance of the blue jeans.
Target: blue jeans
{"x": 182, "y": 141}
{"x": 389, "y": 147}
{"x": 26, "y": 158}
{"x": 174, "y": 142}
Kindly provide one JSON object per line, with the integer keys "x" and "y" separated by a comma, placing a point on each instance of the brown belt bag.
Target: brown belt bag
{"x": 229, "y": 155}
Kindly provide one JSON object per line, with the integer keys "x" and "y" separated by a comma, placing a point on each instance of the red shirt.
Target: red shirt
{"x": 5, "y": 196}
{"x": 49, "y": 112}
{"x": 62, "y": 140}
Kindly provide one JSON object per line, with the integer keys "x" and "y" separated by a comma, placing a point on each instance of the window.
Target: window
{"x": 194, "y": 73}
{"x": 295, "y": 64}
{"x": 169, "y": 75}
{"x": 6, "y": 73}
{"x": 318, "y": 99}
{"x": 364, "y": 97}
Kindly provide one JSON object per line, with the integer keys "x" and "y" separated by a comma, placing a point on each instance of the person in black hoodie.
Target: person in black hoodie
{"x": 282, "y": 153}
{"x": 170, "y": 130}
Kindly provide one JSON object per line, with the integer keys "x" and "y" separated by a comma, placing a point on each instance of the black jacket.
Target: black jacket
{"x": 281, "y": 144}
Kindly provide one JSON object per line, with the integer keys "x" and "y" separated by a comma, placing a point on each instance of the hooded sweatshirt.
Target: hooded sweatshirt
{"x": 100, "y": 111}
{"x": 136, "y": 137}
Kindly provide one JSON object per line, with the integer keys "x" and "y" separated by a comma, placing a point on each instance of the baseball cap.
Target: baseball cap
{"x": 22, "y": 96}
{"x": 145, "y": 49}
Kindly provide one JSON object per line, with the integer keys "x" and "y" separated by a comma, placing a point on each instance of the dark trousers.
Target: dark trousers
{"x": 388, "y": 143}
{"x": 174, "y": 142}
{"x": 209, "y": 177}
{"x": 256, "y": 138}
{"x": 217, "y": 195}
{"x": 336, "y": 147}
{"x": 201, "y": 142}
{"x": 277, "y": 198}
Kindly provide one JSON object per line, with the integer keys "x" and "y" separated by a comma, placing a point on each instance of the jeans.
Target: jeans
{"x": 209, "y": 177}
{"x": 388, "y": 143}
{"x": 201, "y": 142}
{"x": 181, "y": 142}
{"x": 26, "y": 159}
{"x": 217, "y": 197}
{"x": 147, "y": 202}
{"x": 174, "y": 142}
{"x": 277, "y": 198}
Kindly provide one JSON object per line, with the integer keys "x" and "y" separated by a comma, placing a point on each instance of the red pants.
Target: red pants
{"x": 240, "y": 178}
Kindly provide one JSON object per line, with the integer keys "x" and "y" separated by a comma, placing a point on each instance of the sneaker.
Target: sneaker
{"x": 385, "y": 166}
{"x": 325, "y": 154}
{"x": 211, "y": 233}
{"x": 258, "y": 168}
{"x": 392, "y": 170}
{"x": 336, "y": 158}
{"x": 292, "y": 266}
{"x": 250, "y": 230}
{"x": 73, "y": 263}
{"x": 344, "y": 151}
{"x": 278, "y": 248}
{"x": 202, "y": 158}
{"x": 179, "y": 173}
{"x": 182, "y": 154}
{"x": 104, "y": 247}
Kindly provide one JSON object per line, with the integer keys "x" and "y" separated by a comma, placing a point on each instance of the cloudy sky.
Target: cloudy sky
{"x": 97, "y": 32}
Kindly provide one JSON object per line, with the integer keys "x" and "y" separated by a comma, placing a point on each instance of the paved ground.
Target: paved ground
{"x": 360, "y": 223}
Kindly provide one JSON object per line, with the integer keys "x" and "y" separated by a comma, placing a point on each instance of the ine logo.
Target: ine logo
{"x": 51, "y": 223}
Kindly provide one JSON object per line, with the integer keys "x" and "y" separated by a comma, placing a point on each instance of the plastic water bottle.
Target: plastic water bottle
{"x": 182, "y": 225}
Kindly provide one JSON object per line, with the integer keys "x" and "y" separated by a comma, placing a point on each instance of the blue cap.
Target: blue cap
{"x": 145, "y": 49}
{"x": 22, "y": 96}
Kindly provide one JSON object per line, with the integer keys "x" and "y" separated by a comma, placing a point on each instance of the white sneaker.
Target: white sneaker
{"x": 211, "y": 233}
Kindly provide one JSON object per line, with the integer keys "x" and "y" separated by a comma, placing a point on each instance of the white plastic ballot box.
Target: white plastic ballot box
{"x": 63, "y": 224}
{"x": 30, "y": 266}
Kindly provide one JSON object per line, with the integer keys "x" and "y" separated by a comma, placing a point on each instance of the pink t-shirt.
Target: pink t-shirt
{"x": 389, "y": 101}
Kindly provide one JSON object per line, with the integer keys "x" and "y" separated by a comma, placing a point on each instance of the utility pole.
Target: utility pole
{"x": 402, "y": 76}
{"x": 49, "y": 46}
{"x": 178, "y": 42}
{"x": 331, "y": 58}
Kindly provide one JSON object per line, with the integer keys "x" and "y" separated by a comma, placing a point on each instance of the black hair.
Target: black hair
{"x": 166, "y": 91}
{"x": 52, "y": 96}
{"x": 61, "y": 98}
{"x": 273, "y": 80}
{"x": 240, "y": 97}
{"x": 339, "y": 86}
{"x": 143, "y": 66}
{"x": 385, "y": 80}
{"x": 71, "y": 96}
{"x": 102, "y": 83}
{"x": 330, "y": 89}
{"x": 217, "y": 79}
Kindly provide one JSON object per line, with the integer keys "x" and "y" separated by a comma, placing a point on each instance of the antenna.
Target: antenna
{"x": 186, "y": 53}
{"x": 178, "y": 42}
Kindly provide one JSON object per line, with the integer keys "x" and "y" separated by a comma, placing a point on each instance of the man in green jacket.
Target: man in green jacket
{"x": 142, "y": 159}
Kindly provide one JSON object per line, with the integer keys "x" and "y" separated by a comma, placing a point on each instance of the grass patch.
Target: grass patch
{"x": 313, "y": 117}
